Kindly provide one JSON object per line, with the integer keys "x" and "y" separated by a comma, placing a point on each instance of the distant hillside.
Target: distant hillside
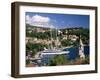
{"x": 67, "y": 28}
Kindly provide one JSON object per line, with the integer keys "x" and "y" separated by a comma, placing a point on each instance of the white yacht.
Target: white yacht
{"x": 52, "y": 50}
{"x": 57, "y": 52}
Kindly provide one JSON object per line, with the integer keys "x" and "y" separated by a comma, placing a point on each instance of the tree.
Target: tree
{"x": 66, "y": 42}
{"x": 58, "y": 60}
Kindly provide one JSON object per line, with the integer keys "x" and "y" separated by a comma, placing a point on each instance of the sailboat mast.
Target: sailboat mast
{"x": 51, "y": 37}
{"x": 56, "y": 37}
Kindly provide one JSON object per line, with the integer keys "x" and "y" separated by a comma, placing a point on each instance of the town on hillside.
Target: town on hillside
{"x": 41, "y": 40}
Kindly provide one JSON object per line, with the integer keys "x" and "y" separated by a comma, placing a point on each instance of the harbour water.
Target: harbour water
{"x": 73, "y": 53}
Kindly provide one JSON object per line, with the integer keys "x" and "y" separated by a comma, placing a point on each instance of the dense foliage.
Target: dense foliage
{"x": 84, "y": 32}
{"x": 34, "y": 47}
{"x": 58, "y": 60}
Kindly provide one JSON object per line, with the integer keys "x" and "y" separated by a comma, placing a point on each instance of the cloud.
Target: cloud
{"x": 41, "y": 19}
{"x": 38, "y": 20}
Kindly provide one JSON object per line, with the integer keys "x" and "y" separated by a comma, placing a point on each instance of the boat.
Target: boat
{"x": 43, "y": 55}
{"x": 52, "y": 50}
{"x": 57, "y": 52}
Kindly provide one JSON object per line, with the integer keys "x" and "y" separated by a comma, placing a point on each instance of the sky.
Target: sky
{"x": 53, "y": 20}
